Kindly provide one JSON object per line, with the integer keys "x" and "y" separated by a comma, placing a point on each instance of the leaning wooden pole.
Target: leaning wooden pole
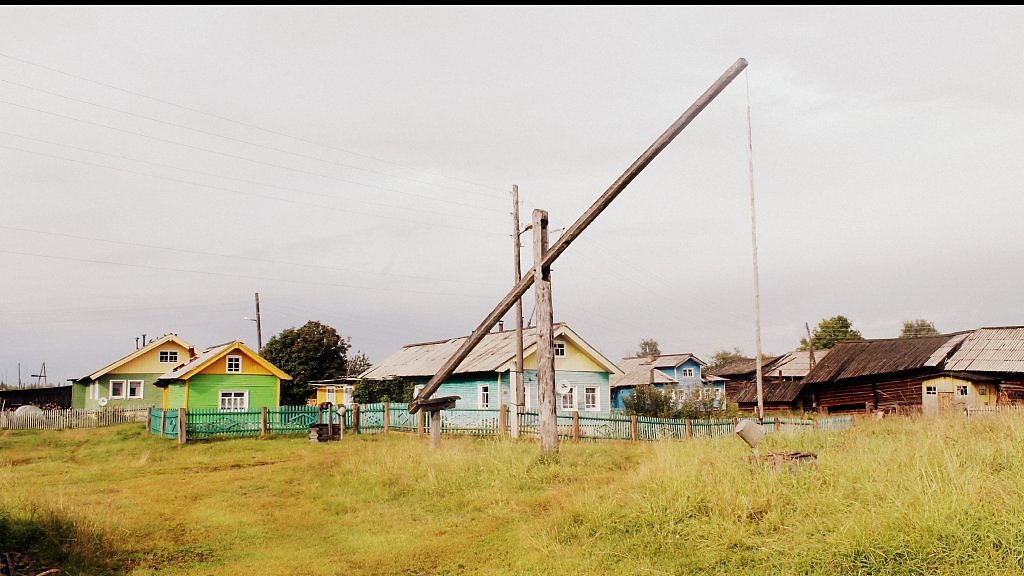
{"x": 547, "y": 419}
{"x": 578, "y": 227}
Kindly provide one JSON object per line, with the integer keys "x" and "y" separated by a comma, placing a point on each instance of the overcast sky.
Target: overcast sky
{"x": 159, "y": 166}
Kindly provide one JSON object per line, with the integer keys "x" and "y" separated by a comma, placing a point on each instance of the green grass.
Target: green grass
{"x": 927, "y": 497}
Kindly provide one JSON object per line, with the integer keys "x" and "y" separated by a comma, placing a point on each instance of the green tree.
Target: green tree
{"x": 648, "y": 347}
{"x": 723, "y": 357}
{"x": 315, "y": 351}
{"x": 829, "y": 332}
{"x": 918, "y": 328}
{"x": 389, "y": 390}
{"x": 357, "y": 364}
{"x": 646, "y": 400}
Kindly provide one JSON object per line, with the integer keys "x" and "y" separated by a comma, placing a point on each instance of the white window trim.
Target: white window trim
{"x": 572, "y": 395}
{"x": 128, "y": 389}
{"x": 480, "y": 396}
{"x": 963, "y": 388}
{"x": 168, "y": 355}
{"x": 559, "y": 350}
{"x": 220, "y": 400}
{"x": 931, "y": 391}
{"x": 124, "y": 390}
{"x": 686, "y": 373}
{"x": 597, "y": 399}
{"x": 227, "y": 364}
{"x": 331, "y": 394}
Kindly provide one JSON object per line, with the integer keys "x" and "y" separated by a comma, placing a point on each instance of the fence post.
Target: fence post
{"x": 355, "y": 418}
{"x": 387, "y": 416}
{"x": 421, "y": 422}
{"x": 163, "y": 423}
{"x": 634, "y": 429}
{"x": 435, "y": 429}
{"x": 182, "y": 425}
{"x": 149, "y": 421}
{"x": 502, "y": 419}
{"x": 689, "y": 428}
{"x": 264, "y": 421}
{"x": 814, "y": 423}
{"x": 778, "y": 425}
{"x": 575, "y": 426}
{"x": 853, "y": 419}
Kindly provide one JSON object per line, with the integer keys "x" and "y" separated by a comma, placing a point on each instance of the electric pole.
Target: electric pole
{"x": 517, "y": 387}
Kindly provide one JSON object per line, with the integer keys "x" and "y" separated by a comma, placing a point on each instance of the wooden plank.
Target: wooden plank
{"x": 578, "y": 227}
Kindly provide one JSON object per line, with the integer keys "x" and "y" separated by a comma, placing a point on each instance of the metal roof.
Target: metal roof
{"x": 211, "y": 354}
{"x": 135, "y": 354}
{"x": 989, "y": 350}
{"x": 639, "y": 371}
{"x": 795, "y": 364}
{"x": 852, "y": 359}
{"x": 494, "y": 351}
{"x": 673, "y": 360}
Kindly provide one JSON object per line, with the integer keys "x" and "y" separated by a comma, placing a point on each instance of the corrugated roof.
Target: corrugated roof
{"x": 795, "y": 364}
{"x": 739, "y": 369}
{"x": 638, "y": 371}
{"x": 212, "y": 353}
{"x": 135, "y": 354}
{"x": 494, "y": 351}
{"x": 852, "y": 359}
{"x": 194, "y": 361}
{"x": 989, "y": 350}
{"x": 673, "y": 360}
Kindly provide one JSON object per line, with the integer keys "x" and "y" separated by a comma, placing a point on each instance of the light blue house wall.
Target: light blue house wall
{"x": 469, "y": 388}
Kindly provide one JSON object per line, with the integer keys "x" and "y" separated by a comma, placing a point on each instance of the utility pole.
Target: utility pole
{"x": 517, "y": 387}
{"x": 259, "y": 325}
{"x": 810, "y": 347}
{"x": 547, "y": 419}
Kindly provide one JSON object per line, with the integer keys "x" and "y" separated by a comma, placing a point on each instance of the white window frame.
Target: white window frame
{"x": 686, "y": 372}
{"x": 244, "y": 396}
{"x": 238, "y": 361}
{"x": 483, "y": 396}
{"x": 594, "y": 406}
{"x": 571, "y": 398}
{"x": 331, "y": 394}
{"x": 559, "y": 350}
{"x": 128, "y": 389}
{"x": 167, "y": 358}
{"x": 931, "y": 390}
{"x": 124, "y": 390}
{"x": 962, "y": 390}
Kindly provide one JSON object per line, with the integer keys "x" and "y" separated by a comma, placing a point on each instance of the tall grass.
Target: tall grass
{"x": 928, "y": 497}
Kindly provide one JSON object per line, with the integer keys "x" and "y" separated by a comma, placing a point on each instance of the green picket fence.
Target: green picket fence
{"x": 373, "y": 418}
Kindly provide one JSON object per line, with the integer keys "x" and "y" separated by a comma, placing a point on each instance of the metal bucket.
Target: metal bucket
{"x": 751, "y": 432}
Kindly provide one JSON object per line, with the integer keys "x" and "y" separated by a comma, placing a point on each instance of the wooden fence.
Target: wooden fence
{"x": 64, "y": 419}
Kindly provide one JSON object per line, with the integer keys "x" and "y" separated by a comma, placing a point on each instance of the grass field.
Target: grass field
{"x": 928, "y": 497}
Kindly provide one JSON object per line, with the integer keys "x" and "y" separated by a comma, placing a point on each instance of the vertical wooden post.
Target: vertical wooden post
{"x": 502, "y": 420}
{"x": 182, "y": 426}
{"x": 387, "y": 416}
{"x": 149, "y": 420}
{"x": 778, "y": 425}
{"x": 435, "y": 429}
{"x": 689, "y": 428}
{"x": 634, "y": 428}
{"x": 517, "y": 389}
{"x": 814, "y": 424}
{"x": 355, "y": 418}
{"x": 264, "y": 422}
{"x": 575, "y": 426}
{"x": 421, "y": 422}
{"x": 547, "y": 419}
{"x": 853, "y": 419}
{"x": 163, "y": 423}
{"x": 735, "y": 422}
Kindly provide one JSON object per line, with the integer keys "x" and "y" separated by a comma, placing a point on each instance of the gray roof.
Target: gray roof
{"x": 638, "y": 371}
{"x": 493, "y": 352}
{"x": 795, "y": 364}
{"x": 673, "y": 360}
{"x": 989, "y": 350}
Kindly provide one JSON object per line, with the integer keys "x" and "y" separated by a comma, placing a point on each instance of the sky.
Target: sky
{"x": 159, "y": 166}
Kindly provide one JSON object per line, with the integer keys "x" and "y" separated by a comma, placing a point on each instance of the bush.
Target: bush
{"x": 389, "y": 390}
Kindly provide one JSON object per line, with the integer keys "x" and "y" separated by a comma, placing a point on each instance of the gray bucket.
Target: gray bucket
{"x": 751, "y": 432}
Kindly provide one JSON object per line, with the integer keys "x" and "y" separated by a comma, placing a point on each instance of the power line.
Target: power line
{"x": 235, "y": 156}
{"x": 225, "y": 118}
{"x": 244, "y": 193}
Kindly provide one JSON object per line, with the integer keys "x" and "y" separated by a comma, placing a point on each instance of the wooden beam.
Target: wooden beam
{"x": 578, "y": 227}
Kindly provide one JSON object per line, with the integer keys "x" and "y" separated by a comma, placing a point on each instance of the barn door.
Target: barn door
{"x": 945, "y": 402}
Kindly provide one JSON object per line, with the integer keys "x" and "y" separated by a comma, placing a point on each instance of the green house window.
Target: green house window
{"x": 234, "y": 400}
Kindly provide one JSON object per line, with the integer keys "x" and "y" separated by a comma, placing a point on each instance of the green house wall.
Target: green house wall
{"x": 82, "y": 395}
{"x": 204, "y": 390}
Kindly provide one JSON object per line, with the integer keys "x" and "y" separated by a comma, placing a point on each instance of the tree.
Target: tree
{"x": 646, "y": 400}
{"x": 314, "y": 351}
{"x": 358, "y": 364}
{"x": 830, "y": 332}
{"x": 648, "y": 347}
{"x": 723, "y": 357}
{"x": 918, "y": 328}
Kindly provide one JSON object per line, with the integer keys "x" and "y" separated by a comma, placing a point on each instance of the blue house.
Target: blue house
{"x": 481, "y": 381}
{"x": 682, "y": 374}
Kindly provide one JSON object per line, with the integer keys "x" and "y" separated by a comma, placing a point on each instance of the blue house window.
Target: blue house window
{"x": 686, "y": 372}
{"x": 483, "y": 395}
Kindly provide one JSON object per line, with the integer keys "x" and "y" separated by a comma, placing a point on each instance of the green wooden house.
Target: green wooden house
{"x": 130, "y": 381}
{"x": 228, "y": 377}
{"x": 482, "y": 380}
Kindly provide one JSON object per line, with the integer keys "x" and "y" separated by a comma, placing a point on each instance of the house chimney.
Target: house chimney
{"x": 501, "y": 325}
{"x": 191, "y": 352}
{"x": 136, "y": 342}
{"x": 651, "y": 357}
